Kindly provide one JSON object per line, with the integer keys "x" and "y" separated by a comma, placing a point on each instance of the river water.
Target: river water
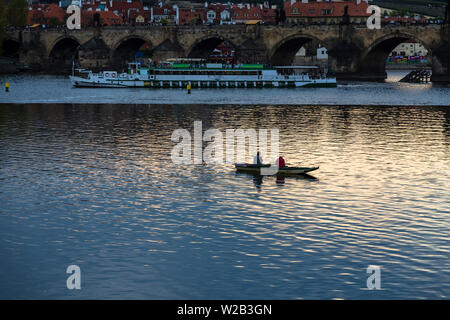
{"x": 58, "y": 89}
{"x": 93, "y": 185}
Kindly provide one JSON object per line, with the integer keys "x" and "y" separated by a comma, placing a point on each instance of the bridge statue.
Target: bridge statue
{"x": 447, "y": 12}
{"x": 346, "y": 16}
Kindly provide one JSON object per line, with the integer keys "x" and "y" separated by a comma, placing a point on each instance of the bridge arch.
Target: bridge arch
{"x": 11, "y": 48}
{"x": 62, "y": 40}
{"x": 63, "y": 51}
{"x": 126, "y": 48}
{"x": 373, "y": 59}
{"x": 283, "y": 53}
{"x": 204, "y": 46}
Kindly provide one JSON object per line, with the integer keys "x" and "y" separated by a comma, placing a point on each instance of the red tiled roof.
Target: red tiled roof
{"x": 187, "y": 15}
{"x": 244, "y": 13}
{"x": 269, "y": 15}
{"x": 159, "y": 11}
{"x": 124, "y": 6}
{"x": 41, "y": 13}
{"x": 36, "y": 17}
{"x": 106, "y": 18}
{"x": 218, "y": 7}
{"x": 253, "y": 13}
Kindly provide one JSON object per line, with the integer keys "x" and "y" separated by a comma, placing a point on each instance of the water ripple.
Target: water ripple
{"x": 93, "y": 185}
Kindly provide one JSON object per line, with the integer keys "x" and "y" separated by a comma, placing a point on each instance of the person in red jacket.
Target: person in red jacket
{"x": 281, "y": 162}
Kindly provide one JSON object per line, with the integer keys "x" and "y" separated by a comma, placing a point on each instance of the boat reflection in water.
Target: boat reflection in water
{"x": 283, "y": 172}
{"x": 279, "y": 180}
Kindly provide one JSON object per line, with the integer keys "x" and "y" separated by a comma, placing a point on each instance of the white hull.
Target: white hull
{"x": 161, "y": 78}
{"x": 221, "y": 83}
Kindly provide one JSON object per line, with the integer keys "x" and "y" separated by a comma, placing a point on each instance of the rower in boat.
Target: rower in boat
{"x": 281, "y": 163}
{"x": 257, "y": 159}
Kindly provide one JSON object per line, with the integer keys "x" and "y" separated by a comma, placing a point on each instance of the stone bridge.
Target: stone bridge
{"x": 355, "y": 52}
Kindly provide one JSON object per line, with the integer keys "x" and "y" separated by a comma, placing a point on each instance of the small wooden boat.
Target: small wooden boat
{"x": 256, "y": 169}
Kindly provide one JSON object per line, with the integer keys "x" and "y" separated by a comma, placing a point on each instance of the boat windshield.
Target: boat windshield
{"x": 82, "y": 73}
{"x": 133, "y": 67}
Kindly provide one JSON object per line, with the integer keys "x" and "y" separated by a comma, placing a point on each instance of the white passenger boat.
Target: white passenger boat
{"x": 179, "y": 73}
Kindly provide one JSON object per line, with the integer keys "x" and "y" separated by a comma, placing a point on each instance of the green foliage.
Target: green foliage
{"x": 17, "y": 13}
{"x": 429, "y": 7}
{"x": 54, "y": 21}
{"x": 3, "y": 23}
{"x": 400, "y": 12}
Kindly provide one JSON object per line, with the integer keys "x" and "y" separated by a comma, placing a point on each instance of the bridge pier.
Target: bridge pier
{"x": 166, "y": 50}
{"x": 251, "y": 52}
{"x": 441, "y": 56}
{"x": 94, "y": 54}
{"x": 441, "y": 65}
{"x": 33, "y": 52}
{"x": 343, "y": 61}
